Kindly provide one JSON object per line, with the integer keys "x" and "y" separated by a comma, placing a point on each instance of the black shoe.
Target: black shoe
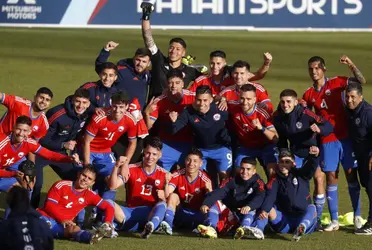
{"x": 365, "y": 230}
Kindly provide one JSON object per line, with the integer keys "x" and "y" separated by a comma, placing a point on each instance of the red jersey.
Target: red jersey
{"x": 208, "y": 81}
{"x": 248, "y": 135}
{"x": 329, "y": 103}
{"x": 10, "y": 155}
{"x": 164, "y": 107}
{"x": 18, "y": 106}
{"x": 141, "y": 187}
{"x": 64, "y": 202}
{"x": 232, "y": 93}
{"x": 191, "y": 194}
{"x": 106, "y": 131}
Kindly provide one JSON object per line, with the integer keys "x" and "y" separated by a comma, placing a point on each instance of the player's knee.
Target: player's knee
{"x": 272, "y": 214}
{"x": 70, "y": 231}
{"x": 332, "y": 178}
{"x": 173, "y": 200}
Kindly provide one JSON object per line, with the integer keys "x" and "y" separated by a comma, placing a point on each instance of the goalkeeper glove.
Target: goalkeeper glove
{"x": 147, "y": 9}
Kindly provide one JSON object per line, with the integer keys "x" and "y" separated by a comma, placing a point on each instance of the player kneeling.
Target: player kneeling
{"x": 186, "y": 191}
{"x": 243, "y": 194}
{"x": 287, "y": 204}
{"x": 66, "y": 199}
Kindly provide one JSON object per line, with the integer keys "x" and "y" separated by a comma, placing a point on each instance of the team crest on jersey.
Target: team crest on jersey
{"x": 216, "y": 117}
{"x": 35, "y": 128}
{"x": 197, "y": 190}
{"x": 121, "y": 129}
{"x": 357, "y": 121}
{"x": 328, "y": 92}
{"x": 82, "y": 124}
{"x": 250, "y": 191}
{"x": 157, "y": 182}
{"x": 21, "y": 154}
{"x": 295, "y": 181}
{"x": 299, "y": 125}
{"x": 81, "y": 200}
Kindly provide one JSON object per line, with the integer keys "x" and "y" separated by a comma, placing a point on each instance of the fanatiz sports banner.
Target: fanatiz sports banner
{"x": 234, "y": 14}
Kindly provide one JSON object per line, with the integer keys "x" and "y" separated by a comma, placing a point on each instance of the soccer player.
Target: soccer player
{"x": 243, "y": 194}
{"x": 360, "y": 127}
{"x": 254, "y": 129}
{"x": 326, "y": 96}
{"x": 65, "y": 123}
{"x": 18, "y": 106}
{"x": 208, "y": 127}
{"x": 66, "y": 199}
{"x": 145, "y": 191}
{"x": 219, "y": 72}
{"x": 133, "y": 75}
{"x": 176, "y": 98}
{"x": 287, "y": 203}
{"x": 241, "y": 74}
{"x": 101, "y": 134}
{"x": 300, "y": 127}
{"x": 13, "y": 149}
{"x": 161, "y": 64}
{"x": 186, "y": 192}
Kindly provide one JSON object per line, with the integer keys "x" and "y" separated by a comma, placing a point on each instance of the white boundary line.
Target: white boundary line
{"x": 185, "y": 27}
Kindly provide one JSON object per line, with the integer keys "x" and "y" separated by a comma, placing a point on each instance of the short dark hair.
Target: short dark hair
{"x": 286, "y": 153}
{"x": 354, "y": 86}
{"x": 317, "y": 59}
{"x": 178, "y": 40}
{"x": 203, "y": 89}
{"x": 142, "y": 52}
{"x": 89, "y": 168}
{"x": 82, "y": 93}
{"x": 288, "y": 92}
{"x": 249, "y": 160}
{"x": 172, "y": 73}
{"x": 153, "y": 141}
{"x": 108, "y": 65}
{"x": 44, "y": 90}
{"x": 241, "y": 64}
{"x": 248, "y": 87}
{"x": 217, "y": 53}
{"x": 120, "y": 97}
{"x": 24, "y": 120}
{"x": 17, "y": 199}
{"x": 195, "y": 151}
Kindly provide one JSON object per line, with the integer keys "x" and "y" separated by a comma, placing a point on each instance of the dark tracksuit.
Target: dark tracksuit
{"x": 64, "y": 125}
{"x": 99, "y": 95}
{"x": 360, "y": 132}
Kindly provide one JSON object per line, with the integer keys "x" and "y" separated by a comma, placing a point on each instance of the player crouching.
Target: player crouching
{"x": 243, "y": 194}
{"x": 66, "y": 199}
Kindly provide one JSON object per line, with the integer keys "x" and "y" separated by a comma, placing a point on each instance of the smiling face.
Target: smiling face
{"x": 241, "y": 76}
{"x": 151, "y": 156}
{"x": 288, "y": 103}
{"x": 193, "y": 163}
{"x": 203, "y": 103}
{"x": 247, "y": 101}
{"x": 175, "y": 86}
{"x": 175, "y": 52}
{"x": 118, "y": 110}
{"x": 216, "y": 65}
{"x": 316, "y": 71}
{"x": 80, "y": 105}
{"x": 141, "y": 63}
{"x": 353, "y": 99}
{"x": 285, "y": 164}
{"x": 21, "y": 132}
{"x": 246, "y": 171}
{"x": 42, "y": 102}
{"x": 85, "y": 179}
{"x": 108, "y": 77}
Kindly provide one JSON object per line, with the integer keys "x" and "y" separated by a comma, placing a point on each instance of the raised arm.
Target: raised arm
{"x": 147, "y": 9}
{"x": 261, "y": 72}
{"x": 358, "y": 76}
{"x": 104, "y": 54}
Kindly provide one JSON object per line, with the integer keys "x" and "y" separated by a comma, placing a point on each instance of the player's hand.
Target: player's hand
{"x": 257, "y": 124}
{"x": 70, "y": 145}
{"x": 268, "y": 58}
{"x": 346, "y": 60}
{"x": 151, "y": 106}
{"x": 68, "y": 223}
{"x": 208, "y": 186}
{"x": 124, "y": 172}
{"x": 222, "y": 105}
{"x": 19, "y": 174}
{"x": 147, "y": 9}
{"x": 204, "y": 209}
{"x": 122, "y": 160}
{"x": 314, "y": 150}
{"x": 302, "y": 102}
{"x": 263, "y": 215}
{"x": 173, "y": 116}
{"x": 168, "y": 177}
{"x": 100, "y": 111}
{"x": 75, "y": 158}
{"x": 315, "y": 128}
{"x": 161, "y": 194}
{"x": 244, "y": 210}
{"x": 111, "y": 45}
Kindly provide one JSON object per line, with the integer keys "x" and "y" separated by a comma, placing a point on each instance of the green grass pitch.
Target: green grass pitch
{"x": 63, "y": 59}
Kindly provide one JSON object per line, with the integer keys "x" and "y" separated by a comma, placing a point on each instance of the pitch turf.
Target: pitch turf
{"x": 63, "y": 59}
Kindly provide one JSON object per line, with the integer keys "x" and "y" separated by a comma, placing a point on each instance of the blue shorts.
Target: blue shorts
{"x": 265, "y": 155}
{"x": 222, "y": 156}
{"x": 332, "y": 153}
{"x": 287, "y": 224}
{"x": 188, "y": 218}
{"x": 56, "y": 228}
{"x": 7, "y": 183}
{"x": 103, "y": 163}
{"x": 172, "y": 153}
{"x": 135, "y": 218}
